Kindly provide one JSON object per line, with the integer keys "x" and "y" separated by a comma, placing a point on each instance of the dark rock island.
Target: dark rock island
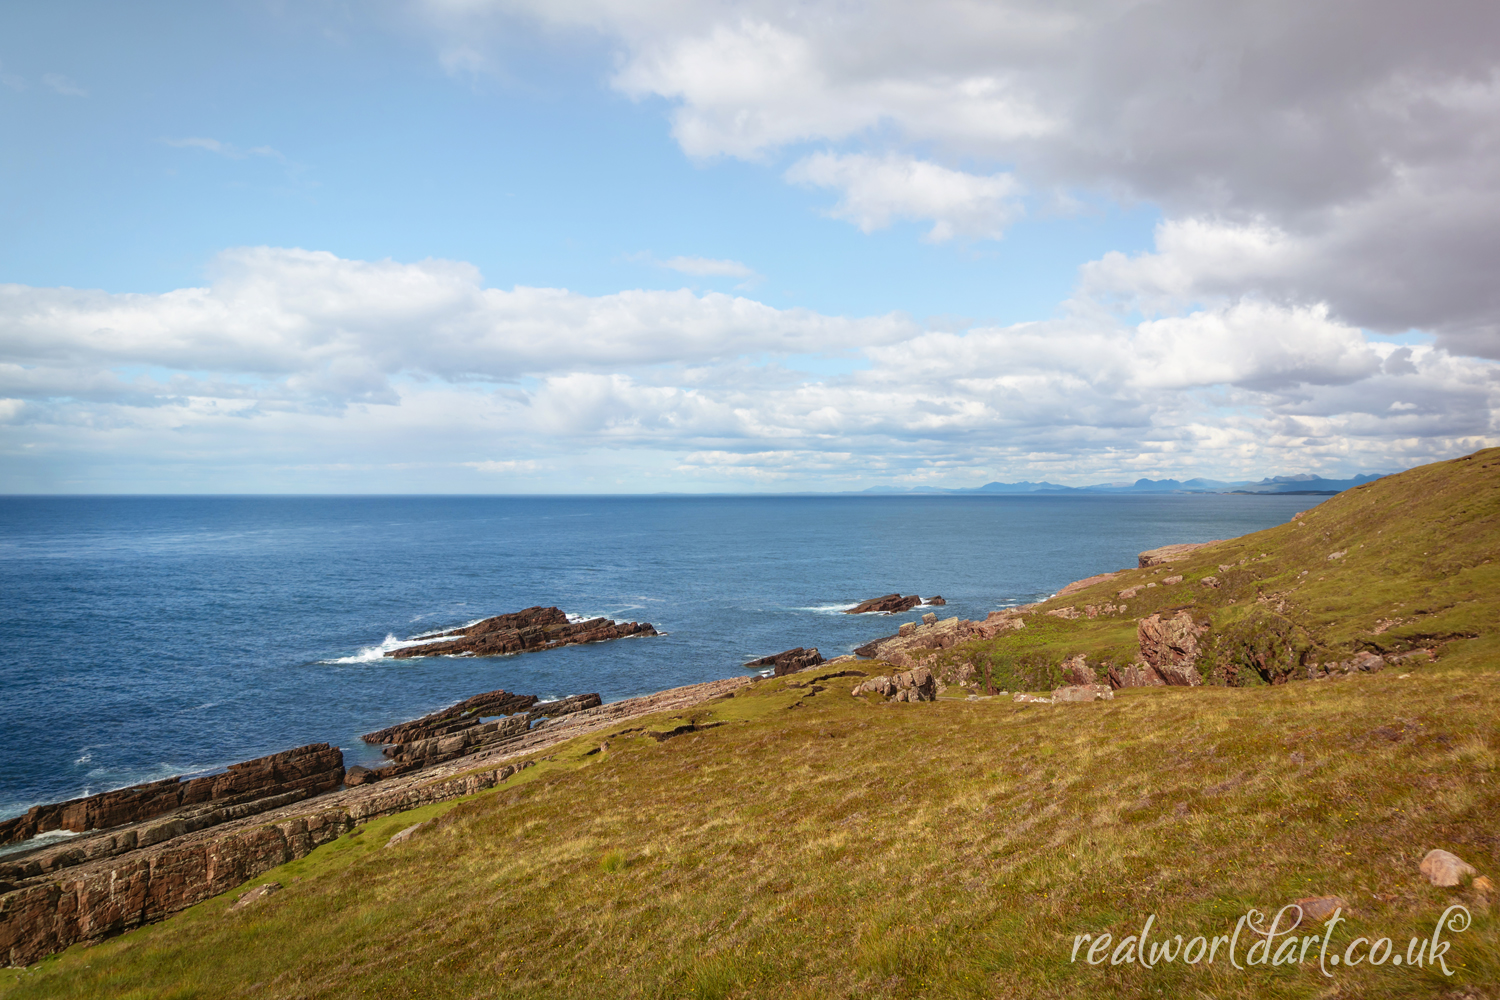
{"x": 533, "y": 628}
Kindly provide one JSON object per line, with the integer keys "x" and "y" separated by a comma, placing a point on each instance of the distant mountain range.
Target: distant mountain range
{"x": 1294, "y": 485}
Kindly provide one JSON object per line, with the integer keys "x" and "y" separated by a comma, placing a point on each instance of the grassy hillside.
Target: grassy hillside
{"x": 793, "y": 841}
{"x": 1406, "y": 562}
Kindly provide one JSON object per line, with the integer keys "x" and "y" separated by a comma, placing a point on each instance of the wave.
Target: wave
{"x": 40, "y": 840}
{"x": 829, "y": 609}
{"x": 374, "y": 654}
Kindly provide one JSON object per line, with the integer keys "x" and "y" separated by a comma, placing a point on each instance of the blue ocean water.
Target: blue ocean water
{"x": 142, "y": 637}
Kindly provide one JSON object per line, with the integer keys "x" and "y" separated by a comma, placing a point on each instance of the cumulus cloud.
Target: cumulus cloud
{"x": 1343, "y": 153}
{"x": 876, "y": 189}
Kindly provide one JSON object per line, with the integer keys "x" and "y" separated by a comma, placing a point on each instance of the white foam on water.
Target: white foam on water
{"x": 829, "y": 609}
{"x": 374, "y": 654}
{"x": 40, "y": 840}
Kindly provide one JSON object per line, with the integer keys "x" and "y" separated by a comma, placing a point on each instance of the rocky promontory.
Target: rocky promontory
{"x": 789, "y": 662}
{"x": 520, "y": 631}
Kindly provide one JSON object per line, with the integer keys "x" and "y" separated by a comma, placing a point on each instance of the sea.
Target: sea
{"x": 144, "y": 637}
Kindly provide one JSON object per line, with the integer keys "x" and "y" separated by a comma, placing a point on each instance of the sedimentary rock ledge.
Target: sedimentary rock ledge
{"x": 108, "y": 888}
{"x": 890, "y": 604}
{"x": 533, "y": 628}
{"x": 309, "y": 770}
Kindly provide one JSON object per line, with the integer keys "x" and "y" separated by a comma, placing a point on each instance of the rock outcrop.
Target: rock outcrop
{"x": 309, "y": 770}
{"x": 788, "y": 662}
{"x": 466, "y": 713}
{"x": 890, "y": 604}
{"x": 1169, "y": 553}
{"x": 429, "y": 750}
{"x": 119, "y": 879}
{"x": 916, "y": 684}
{"x": 1170, "y": 646}
{"x": 1135, "y": 675}
{"x": 533, "y": 628}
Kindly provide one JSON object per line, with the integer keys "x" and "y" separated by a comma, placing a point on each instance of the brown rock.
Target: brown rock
{"x": 1134, "y": 676}
{"x": 1076, "y": 671}
{"x": 789, "y": 661}
{"x": 1442, "y": 868}
{"x": 253, "y": 896}
{"x": 1317, "y": 909}
{"x": 934, "y": 601}
{"x": 1170, "y": 646}
{"x": 1170, "y": 553}
{"x": 1086, "y": 582}
{"x": 890, "y": 604}
{"x": 314, "y": 768}
{"x": 533, "y": 628}
{"x": 357, "y": 775}
{"x": 930, "y": 618}
{"x": 466, "y": 713}
{"x": 916, "y": 684}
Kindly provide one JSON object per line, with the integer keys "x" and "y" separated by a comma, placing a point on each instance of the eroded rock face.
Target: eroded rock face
{"x": 1135, "y": 675}
{"x": 531, "y": 629}
{"x": 890, "y": 604}
{"x": 789, "y": 661}
{"x": 1170, "y": 646}
{"x": 312, "y": 769}
{"x": 916, "y": 684}
{"x": 1078, "y": 672}
{"x": 430, "y": 750}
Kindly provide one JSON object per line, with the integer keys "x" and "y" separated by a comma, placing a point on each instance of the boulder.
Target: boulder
{"x": 1317, "y": 909}
{"x": 253, "y": 896}
{"x": 1083, "y": 692}
{"x": 520, "y": 631}
{"x": 930, "y": 618}
{"x": 890, "y": 604}
{"x": 357, "y": 775}
{"x": 1170, "y": 646}
{"x": 906, "y": 629}
{"x": 788, "y": 661}
{"x": 1442, "y": 868}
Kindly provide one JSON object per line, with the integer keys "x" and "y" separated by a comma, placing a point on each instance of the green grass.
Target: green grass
{"x": 1418, "y": 567}
{"x": 818, "y": 845}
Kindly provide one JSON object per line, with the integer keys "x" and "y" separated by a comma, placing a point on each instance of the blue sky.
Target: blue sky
{"x": 459, "y": 245}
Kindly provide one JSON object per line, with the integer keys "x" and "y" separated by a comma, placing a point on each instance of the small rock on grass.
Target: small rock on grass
{"x": 405, "y": 835}
{"x": 1444, "y": 869}
{"x": 254, "y": 895}
{"x": 1317, "y": 909}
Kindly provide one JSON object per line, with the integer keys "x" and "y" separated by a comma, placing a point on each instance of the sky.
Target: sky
{"x": 513, "y": 246}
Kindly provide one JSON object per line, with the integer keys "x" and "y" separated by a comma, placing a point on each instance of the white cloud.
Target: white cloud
{"x": 708, "y": 267}
{"x": 1352, "y": 168}
{"x": 64, "y": 85}
{"x": 294, "y": 360}
{"x": 877, "y": 188}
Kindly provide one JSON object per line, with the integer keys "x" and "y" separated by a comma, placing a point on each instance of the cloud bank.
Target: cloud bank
{"x": 290, "y": 357}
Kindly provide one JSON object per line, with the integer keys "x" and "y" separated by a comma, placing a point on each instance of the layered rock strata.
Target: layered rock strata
{"x": 890, "y": 604}
{"x": 308, "y": 770}
{"x": 466, "y": 713}
{"x": 788, "y": 662}
{"x": 1169, "y": 553}
{"x": 425, "y": 751}
{"x": 44, "y": 911}
{"x": 916, "y": 684}
{"x": 531, "y": 629}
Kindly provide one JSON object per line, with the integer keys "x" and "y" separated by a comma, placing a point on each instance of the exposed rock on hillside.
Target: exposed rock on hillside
{"x": 890, "y": 604}
{"x": 1169, "y": 553}
{"x": 533, "y": 628}
{"x": 916, "y": 684}
{"x": 1170, "y": 646}
{"x": 309, "y": 770}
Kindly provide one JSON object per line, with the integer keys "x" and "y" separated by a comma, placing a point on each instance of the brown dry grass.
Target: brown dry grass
{"x": 815, "y": 845}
